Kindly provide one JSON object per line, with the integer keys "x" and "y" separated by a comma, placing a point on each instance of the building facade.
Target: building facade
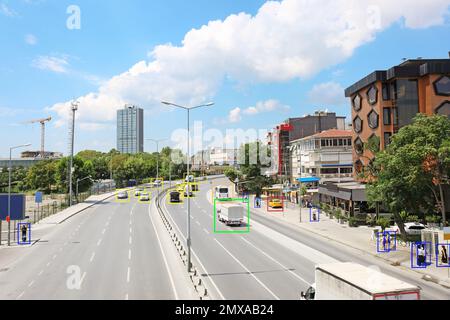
{"x": 293, "y": 129}
{"x": 327, "y": 155}
{"x": 130, "y": 130}
{"x": 385, "y": 101}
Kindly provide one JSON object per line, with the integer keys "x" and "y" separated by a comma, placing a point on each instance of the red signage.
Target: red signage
{"x": 8, "y": 219}
{"x": 287, "y": 127}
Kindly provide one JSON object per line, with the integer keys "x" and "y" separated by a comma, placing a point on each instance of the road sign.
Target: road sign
{"x": 17, "y": 207}
{"x": 447, "y": 233}
{"x": 38, "y": 197}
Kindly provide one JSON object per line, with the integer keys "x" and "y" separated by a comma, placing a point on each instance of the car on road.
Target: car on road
{"x": 195, "y": 187}
{"x": 144, "y": 197}
{"x": 188, "y": 191}
{"x": 157, "y": 183}
{"x": 190, "y": 178}
{"x": 122, "y": 195}
{"x": 175, "y": 197}
{"x": 276, "y": 204}
{"x": 411, "y": 228}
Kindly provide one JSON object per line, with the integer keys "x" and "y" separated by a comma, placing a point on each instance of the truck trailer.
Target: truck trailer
{"x": 231, "y": 214}
{"x": 351, "y": 281}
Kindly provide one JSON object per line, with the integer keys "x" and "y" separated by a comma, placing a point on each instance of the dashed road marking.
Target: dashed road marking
{"x": 206, "y": 231}
{"x": 30, "y": 284}
{"x": 92, "y": 257}
{"x": 99, "y": 242}
{"x": 20, "y": 295}
{"x": 128, "y": 275}
{"x": 126, "y": 296}
{"x": 54, "y": 257}
{"x": 130, "y": 240}
{"x": 40, "y": 273}
{"x": 198, "y": 223}
{"x": 129, "y": 254}
{"x": 48, "y": 264}
{"x": 103, "y": 231}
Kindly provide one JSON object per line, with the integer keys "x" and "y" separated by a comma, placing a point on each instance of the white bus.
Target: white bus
{"x": 222, "y": 192}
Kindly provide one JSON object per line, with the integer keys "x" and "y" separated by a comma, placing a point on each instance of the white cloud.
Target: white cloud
{"x": 31, "y": 39}
{"x": 327, "y": 94}
{"x": 285, "y": 40}
{"x": 7, "y": 11}
{"x": 58, "y": 64}
{"x": 266, "y": 106}
{"x": 93, "y": 126}
{"x": 235, "y": 115}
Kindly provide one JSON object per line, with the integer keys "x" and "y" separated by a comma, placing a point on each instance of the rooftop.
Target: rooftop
{"x": 412, "y": 68}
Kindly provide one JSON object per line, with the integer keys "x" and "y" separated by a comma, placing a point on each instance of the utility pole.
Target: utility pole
{"x": 72, "y": 141}
{"x": 188, "y": 238}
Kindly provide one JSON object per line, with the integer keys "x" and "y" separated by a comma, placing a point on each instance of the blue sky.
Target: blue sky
{"x": 259, "y": 68}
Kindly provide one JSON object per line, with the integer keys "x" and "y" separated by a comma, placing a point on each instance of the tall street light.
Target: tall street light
{"x": 188, "y": 109}
{"x": 74, "y": 108}
{"x": 78, "y": 181}
{"x": 9, "y": 188}
{"x": 157, "y": 151}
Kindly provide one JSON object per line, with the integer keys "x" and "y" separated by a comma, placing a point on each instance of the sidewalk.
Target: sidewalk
{"x": 69, "y": 212}
{"x": 357, "y": 238}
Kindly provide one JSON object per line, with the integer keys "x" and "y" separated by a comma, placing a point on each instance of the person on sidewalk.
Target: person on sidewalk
{"x": 444, "y": 255}
{"x": 420, "y": 255}
{"x": 24, "y": 230}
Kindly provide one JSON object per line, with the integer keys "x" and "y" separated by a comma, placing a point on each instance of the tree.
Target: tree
{"x": 409, "y": 175}
{"x": 82, "y": 169}
{"x": 42, "y": 176}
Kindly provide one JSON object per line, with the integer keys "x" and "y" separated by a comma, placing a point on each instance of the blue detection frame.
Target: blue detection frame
{"x": 20, "y": 240}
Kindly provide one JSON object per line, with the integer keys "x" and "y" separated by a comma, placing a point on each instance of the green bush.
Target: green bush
{"x": 412, "y": 219}
{"x": 352, "y": 222}
{"x": 384, "y": 223}
{"x": 433, "y": 219}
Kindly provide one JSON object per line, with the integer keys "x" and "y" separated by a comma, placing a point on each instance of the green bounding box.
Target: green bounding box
{"x": 238, "y": 201}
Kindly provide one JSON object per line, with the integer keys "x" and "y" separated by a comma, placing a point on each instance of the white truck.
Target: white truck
{"x": 231, "y": 214}
{"x": 351, "y": 281}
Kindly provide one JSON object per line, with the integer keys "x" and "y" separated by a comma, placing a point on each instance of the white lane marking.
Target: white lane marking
{"x": 129, "y": 254}
{"x": 126, "y": 296}
{"x": 48, "y": 264}
{"x": 131, "y": 230}
{"x": 128, "y": 275}
{"x": 198, "y": 223}
{"x": 20, "y": 295}
{"x": 107, "y": 224}
{"x": 82, "y": 278}
{"x": 131, "y": 222}
{"x": 54, "y": 257}
{"x": 277, "y": 262}
{"x": 103, "y": 231}
{"x": 130, "y": 240}
{"x": 194, "y": 254}
{"x": 40, "y": 273}
{"x": 30, "y": 284}
{"x": 164, "y": 256}
{"x": 92, "y": 257}
{"x": 60, "y": 249}
{"x": 99, "y": 242}
{"x": 206, "y": 231}
{"x": 249, "y": 272}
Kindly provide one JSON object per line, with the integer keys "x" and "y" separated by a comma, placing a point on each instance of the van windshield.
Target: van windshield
{"x": 223, "y": 190}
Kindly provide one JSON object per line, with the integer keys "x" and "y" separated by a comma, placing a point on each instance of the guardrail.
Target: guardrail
{"x": 194, "y": 275}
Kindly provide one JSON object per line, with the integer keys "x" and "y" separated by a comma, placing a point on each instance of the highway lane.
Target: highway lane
{"x": 275, "y": 260}
{"x": 111, "y": 251}
{"x": 250, "y": 266}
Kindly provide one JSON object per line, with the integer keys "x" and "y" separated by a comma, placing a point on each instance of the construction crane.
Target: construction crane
{"x": 42, "y": 122}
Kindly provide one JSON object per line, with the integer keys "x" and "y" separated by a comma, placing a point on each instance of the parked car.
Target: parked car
{"x": 122, "y": 195}
{"x": 175, "y": 197}
{"x": 188, "y": 191}
{"x": 157, "y": 183}
{"x": 144, "y": 197}
{"x": 276, "y": 204}
{"x": 411, "y": 228}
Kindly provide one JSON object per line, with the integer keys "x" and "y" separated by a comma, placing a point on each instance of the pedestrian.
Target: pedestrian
{"x": 444, "y": 255}
{"x": 420, "y": 255}
{"x": 24, "y": 230}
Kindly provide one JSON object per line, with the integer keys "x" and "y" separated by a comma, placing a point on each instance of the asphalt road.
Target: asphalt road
{"x": 273, "y": 261}
{"x": 110, "y": 251}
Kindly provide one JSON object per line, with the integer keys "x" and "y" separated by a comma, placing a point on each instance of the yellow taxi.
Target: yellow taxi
{"x": 276, "y": 204}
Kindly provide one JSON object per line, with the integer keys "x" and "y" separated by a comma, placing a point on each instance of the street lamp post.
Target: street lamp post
{"x": 72, "y": 138}
{"x": 78, "y": 181}
{"x": 9, "y": 188}
{"x": 157, "y": 151}
{"x": 188, "y": 239}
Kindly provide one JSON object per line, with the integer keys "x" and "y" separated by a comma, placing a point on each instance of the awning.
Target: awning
{"x": 309, "y": 180}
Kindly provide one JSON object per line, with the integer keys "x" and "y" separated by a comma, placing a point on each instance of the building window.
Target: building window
{"x": 407, "y": 101}
{"x": 373, "y": 119}
{"x": 372, "y": 95}
{"x": 442, "y": 86}
{"x": 374, "y": 143}
{"x": 386, "y": 92}
{"x": 357, "y": 103}
{"x": 358, "y": 166}
{"x": 444, "y": 109}
{"x": 387, "y": 116}
{"x": 359, "y": 146}
{"x": 387, "y": 139}
{"x": 357, "y": 124}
